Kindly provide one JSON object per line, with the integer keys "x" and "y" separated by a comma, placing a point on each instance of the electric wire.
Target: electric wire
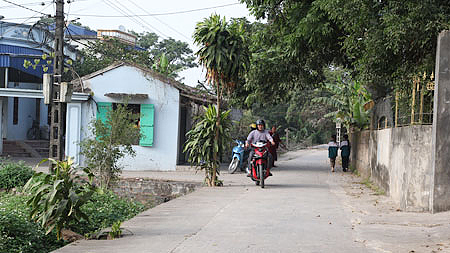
{"x": 154, "y": 14}
{"x": 173, "y": 29}
{"x": 34, "y": 16}
{"x": 24, "y": 7}
{"x": 26, "y": 4}
{"x": 142, "y": 20}
{"x": 134, "y": 19}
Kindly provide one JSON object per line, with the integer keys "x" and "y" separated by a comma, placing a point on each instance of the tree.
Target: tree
{"x": 382, "y": 43}
{"x": 224, "y": 55}
{"x": 149, "y": 53}
{"x": 202, "y": 146}
{"x": 348, "y": 97}
{"x": 112, "y": 140}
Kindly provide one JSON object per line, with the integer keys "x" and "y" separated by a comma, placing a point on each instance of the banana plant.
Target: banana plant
{"x": 57, "y": 198}
{"x": 348, "y": 97}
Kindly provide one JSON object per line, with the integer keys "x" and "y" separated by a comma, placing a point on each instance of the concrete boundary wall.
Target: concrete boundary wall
{"x": 441, "y": 121}
{"x": 399, "y": 161}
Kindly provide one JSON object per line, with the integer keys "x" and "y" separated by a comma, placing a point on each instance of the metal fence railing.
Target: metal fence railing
{"x": 415, "y": 106}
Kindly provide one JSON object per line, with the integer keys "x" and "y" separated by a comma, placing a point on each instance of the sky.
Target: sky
{"x": 167, "y": 18}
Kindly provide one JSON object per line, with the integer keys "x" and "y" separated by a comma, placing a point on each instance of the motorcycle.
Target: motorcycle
{"x": 259, "y": 165}
{"x": 239, "y": 158}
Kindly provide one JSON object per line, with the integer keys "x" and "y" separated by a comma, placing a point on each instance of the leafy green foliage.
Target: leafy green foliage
{"x": 382, "y": 43}
{"x": 177, "y": 54}
{"x": 224, "y": 53}
{"x": 348, "y": 97}
{"x": 103, "y": 209}
{"x": 114, "y": 140}
{"x": 13, "y": 175}
{"x": 18, "y": 234}
{"x": 116, "y": 231}
{"x": 223, "y": 50}
{"x": 57, "y": 198}
{"x": 202, "y": 146}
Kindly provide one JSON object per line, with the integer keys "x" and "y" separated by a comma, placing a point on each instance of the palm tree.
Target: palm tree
{"x": 225, "y": 56}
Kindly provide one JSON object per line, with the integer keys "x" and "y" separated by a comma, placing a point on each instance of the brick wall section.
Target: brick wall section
{"x": 152, "y": 192}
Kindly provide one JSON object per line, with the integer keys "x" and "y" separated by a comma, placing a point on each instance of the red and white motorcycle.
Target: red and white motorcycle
{"x": 260, "y": 161}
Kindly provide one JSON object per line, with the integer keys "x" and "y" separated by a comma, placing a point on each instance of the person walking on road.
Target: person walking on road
{"x": 332, "y": 151}
{"x": 345, "y": 152}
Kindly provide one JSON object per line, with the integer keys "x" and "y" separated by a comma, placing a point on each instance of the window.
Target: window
{"x": 16, "y": 111}
{"x": 145, "y": 122}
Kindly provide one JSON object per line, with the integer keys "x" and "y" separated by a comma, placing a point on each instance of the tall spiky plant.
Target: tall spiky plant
{"x": 224, "y": 54}
{"x": 202, "y": 146}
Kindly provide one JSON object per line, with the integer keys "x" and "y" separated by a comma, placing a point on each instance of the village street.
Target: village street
{"x": 304, "y": 208}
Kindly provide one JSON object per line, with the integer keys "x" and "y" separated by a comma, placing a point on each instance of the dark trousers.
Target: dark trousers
{"x": 345, "y": 160}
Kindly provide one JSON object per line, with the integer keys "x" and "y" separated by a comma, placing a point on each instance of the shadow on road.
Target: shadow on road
{"x": 285, "y": 186}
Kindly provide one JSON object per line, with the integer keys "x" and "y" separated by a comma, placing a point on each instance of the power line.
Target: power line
{"x": 27, "y": 4}
{"x": 24, "y": 7}
{"x": 173, "y": 29}
{"x": 153, "y": 14}
{"x": 148, "y": 25}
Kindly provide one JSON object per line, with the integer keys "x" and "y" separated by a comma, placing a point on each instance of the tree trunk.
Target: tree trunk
{"x": 216, "y": 138}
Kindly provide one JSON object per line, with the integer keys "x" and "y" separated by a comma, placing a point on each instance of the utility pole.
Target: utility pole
{"x": 58, "y": 108}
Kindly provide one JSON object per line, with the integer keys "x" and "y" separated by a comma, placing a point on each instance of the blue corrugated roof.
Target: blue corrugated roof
{"x": 14, "y": 56}
{"x": 9, "y": 49}
{"x": 75, "y": 30}
{"x": 16, "y": 62}
{"x": 81, "y": 31}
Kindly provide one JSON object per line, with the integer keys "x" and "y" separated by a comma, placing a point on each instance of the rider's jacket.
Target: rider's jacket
{"x": 257, "y": 135}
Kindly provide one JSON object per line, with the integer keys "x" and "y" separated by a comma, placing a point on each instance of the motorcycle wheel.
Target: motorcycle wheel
{"x": 233, "y": 166}
{"x": 261, "y": 175}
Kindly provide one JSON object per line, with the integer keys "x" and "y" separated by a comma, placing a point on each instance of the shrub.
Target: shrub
{"x": 14, "y": 174}
{"x": 103, "y": 210}
{"x": 114, "y": 140}
{"x": 18, "y": 233}
{"x": 206, "y": 140}
{"x": 57, "y": 198}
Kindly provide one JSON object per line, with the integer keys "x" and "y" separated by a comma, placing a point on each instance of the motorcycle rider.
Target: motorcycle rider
{"x": 260, "y": 134}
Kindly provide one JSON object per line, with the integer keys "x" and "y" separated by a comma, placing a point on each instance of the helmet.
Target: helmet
{"x": 260, "y": 122}
{"x": 253, "y": 126}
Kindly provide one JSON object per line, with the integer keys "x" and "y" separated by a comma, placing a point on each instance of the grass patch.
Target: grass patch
{"x": 377, "y": 190}
{"x": 20, "y": 234}
{"x": 14, "y": 174}
{"x": 17, "y": 232}
{"x": 354, "y": 171}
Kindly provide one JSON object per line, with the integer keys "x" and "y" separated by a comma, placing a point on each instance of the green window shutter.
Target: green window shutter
{"x": 146, "y": 124}
{"x": 102, "y": 110}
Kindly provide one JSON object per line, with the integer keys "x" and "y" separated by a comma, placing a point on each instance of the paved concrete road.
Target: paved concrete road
{"x": 304, "y": 208}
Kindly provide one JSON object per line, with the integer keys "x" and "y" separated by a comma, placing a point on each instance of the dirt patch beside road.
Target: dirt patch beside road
{"x": 380, "y": 225}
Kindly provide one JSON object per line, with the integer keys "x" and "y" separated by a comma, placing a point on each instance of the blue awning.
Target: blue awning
{"x": 14, "y": 57}
{"x": 16, "y": 62}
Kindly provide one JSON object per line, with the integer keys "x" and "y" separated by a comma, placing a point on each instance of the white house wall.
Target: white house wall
{"x": 165, "y": 98}
{"x": 73, "y": 131}
{"x": 1, "y": 125}
{"x": 26, "y": 114}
